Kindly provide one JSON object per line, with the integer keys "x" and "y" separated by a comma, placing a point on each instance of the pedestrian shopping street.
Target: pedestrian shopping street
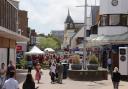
{"x": 69, "y": 84}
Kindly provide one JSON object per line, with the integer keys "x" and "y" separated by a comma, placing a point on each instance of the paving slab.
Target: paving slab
{"x": 71, "y": 84}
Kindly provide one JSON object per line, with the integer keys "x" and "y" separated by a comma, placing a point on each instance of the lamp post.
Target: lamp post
{"x": 84, "y": 42}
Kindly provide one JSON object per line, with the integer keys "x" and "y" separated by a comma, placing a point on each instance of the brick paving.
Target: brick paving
{"x": 70, "y": 84}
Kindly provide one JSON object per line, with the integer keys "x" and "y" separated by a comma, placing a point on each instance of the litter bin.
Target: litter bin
{"x": 65, "y": 70}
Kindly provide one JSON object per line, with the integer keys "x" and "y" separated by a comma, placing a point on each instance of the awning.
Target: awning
{"x": 12, "y": 35}
{"x": 109, "y": 39}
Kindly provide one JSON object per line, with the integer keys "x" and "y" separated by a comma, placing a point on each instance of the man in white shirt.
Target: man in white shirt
{"x": 11, "y": 83}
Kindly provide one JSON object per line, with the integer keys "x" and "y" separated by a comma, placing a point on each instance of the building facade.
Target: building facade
{"x": 23, "y": 23}
{"x": 112, "y": 30}
{"x": 22, "y": 30}
{"x": 91, "y": 30}
{"x": 33, "y": 36}
{"x": 8, "y": 31}
{"x": 71, "y": 28}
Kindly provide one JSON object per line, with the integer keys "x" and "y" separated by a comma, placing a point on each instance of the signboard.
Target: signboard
{"x": 18, "y": 48}
{"x": 123, "y": 60}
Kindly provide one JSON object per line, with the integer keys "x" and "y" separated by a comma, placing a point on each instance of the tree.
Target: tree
{"x": 49, "y": 42}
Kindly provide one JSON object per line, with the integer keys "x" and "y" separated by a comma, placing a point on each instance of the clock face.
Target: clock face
{"x": 114, "y": 2}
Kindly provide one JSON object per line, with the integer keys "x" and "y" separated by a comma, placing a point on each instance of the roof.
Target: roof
{"x": 34, "y": 50}
{"x": 69, "y": 18}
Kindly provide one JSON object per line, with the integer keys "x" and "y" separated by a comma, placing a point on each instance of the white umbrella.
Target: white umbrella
{"x": 49, "y": 50}
{"x": 34, "y": 50}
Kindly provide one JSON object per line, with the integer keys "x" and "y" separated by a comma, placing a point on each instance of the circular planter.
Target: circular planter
{"x": 76, "y": 66}
{"x": 92, "y": 66}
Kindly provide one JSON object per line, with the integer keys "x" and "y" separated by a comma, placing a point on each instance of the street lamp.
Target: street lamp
{"x": 84, "y": 43}
{"x": 85, "y": 27}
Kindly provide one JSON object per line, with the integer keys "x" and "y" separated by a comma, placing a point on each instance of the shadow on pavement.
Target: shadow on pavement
{"x": 21, "y": 75}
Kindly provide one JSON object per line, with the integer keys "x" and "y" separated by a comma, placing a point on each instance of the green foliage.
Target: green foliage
{"x": 49, "y": 42}
{"x": 23, "y": 63}
{"x": 93, "y": 59}
{"x": 41, "y": 35}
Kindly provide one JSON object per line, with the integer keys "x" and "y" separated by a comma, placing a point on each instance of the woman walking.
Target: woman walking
{"x": 115, "y": 78}
{"x": 38, "y": 72}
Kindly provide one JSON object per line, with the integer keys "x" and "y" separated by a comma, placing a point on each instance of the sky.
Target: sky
{"x": 47, "y": 15}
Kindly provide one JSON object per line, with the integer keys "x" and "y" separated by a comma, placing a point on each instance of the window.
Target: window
{"x": 104, "y": 20}
{"x": 114, "y": 19}
{"x": 123, "y": 20}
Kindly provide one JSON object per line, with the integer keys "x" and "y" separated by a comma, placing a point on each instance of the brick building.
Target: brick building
{"x": 23, "y": 23}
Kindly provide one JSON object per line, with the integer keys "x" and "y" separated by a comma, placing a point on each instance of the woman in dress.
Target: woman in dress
{"x": 38, "y": 72}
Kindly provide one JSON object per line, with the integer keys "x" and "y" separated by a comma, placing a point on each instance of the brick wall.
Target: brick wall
{"x": 23, "y": 22}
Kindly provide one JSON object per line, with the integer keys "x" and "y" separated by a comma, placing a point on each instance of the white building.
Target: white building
{"x": 112, "y": 29}
{"x": 114, "y": 17}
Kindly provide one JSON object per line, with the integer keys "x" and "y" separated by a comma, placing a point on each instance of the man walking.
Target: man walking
{"x": 60, "y": 72}
{"x": 11, "y": 83}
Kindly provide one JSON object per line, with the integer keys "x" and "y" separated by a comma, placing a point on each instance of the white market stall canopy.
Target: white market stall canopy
{"x": 35, "y": 50}
{"x": 49, "y": 50}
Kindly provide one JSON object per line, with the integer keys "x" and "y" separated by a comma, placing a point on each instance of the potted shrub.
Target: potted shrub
{"x": 76, "y": 63}
{"x": 93, "y": 63}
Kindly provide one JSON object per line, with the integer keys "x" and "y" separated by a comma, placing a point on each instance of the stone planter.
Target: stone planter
{"x": 76, "y": 66}
{"x": 92, "y": 66}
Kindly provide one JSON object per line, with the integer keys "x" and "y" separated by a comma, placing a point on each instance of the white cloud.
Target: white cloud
{"x": 47, "y": 15}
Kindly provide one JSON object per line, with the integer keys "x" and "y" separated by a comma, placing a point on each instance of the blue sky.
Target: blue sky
{"x": 47, "y": 15}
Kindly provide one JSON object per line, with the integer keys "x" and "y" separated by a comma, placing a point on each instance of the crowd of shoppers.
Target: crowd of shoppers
{"x": 7, "y": 76}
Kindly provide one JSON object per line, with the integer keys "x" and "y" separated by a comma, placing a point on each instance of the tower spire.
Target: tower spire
{"x": 68, "y": 12}
{"x": 69, "y": 18}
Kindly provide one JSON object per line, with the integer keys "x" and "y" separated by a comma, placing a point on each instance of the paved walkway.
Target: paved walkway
{"x": 70, "y": 84}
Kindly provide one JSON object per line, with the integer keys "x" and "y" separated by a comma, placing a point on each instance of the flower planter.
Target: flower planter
{"x": 92, "y": 66}
{"x": 76, "y": 66}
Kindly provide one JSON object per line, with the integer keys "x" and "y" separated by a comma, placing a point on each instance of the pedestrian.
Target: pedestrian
{"x": 29, "y": 82}
{"x": 2, "y": 75}
{"x": 30, "y": 64}
{"x": 60, "y": 72}
{"x": 53, "y": 72}
{"x": 109, "y": 64}
{"x": 11, "y": 83}
{"x": 116, "y": 78}
{"x": 10, "y": 68}
{"x": 38, "y": 72}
